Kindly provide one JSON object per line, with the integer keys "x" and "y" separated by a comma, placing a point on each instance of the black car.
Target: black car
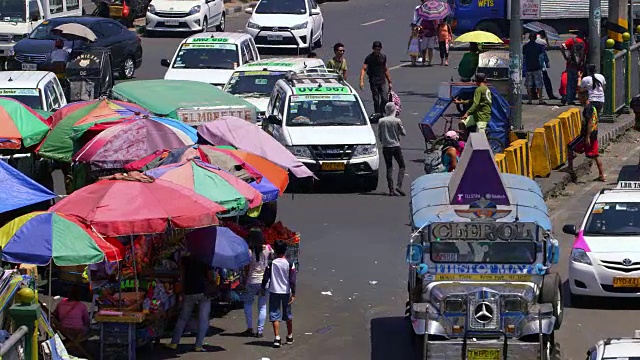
{"x": 34, "y": 51}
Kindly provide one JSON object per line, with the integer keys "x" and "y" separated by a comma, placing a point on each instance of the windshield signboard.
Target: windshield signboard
{"x": 484, "y": 231}
{"x": 201, "y": 115}
{"x": 20, "y": 92}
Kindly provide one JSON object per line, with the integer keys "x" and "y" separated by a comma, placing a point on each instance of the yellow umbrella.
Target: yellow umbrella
{"x": 479, "y": 37}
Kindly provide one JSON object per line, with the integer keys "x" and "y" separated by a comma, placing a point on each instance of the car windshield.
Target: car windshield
{"x": 476, "y": 252}
{"x": 258, "y": 83}
{"x": 613, "y": 219}
{"x": 207, "y": 56}
{"x": 29, "y": 97}
{"x": 325, "y": 110}
{"x": 44, "y": 31}
{"x": 13, "y": 10}
{"x": 293, "y": 7}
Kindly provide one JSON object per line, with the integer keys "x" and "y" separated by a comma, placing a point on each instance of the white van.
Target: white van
{"x": 255, "y": 81}
{"x": 20, "y": 17}
{"x": 210, "y": 57}
{"x": 320, "y": 118}
{"x": 40, "y": 90}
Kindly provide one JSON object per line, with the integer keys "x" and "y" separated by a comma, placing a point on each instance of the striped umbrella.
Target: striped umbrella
{"x": 20, "y": 126}
{"x": 72, "y": 121}
{"x": 433, "y": 10}
{"x": 41, "y": 237}
{"x": 121, "y": 144}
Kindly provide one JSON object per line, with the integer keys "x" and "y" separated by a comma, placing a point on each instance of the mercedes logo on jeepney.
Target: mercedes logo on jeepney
{"x": 627, "y": 262}
{"x": 483, "y": 312}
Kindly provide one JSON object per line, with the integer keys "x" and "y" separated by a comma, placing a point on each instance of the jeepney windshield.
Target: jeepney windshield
{"x": 207, "y": 56}
{"x": 325, "y": 110}
{"x": 614, "y": 219}
{"x": 257, "y": 83}
{"x": 478, "y": 243}
{"x": 13, "y": 10}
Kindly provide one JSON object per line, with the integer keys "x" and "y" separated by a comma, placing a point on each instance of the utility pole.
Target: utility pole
{"x": 515, "y": 66}
{"x": 594, "y": 33}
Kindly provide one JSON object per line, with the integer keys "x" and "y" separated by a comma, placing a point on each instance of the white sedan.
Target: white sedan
{"x": 605, "y": 259}
{"x": 185, "y": 15}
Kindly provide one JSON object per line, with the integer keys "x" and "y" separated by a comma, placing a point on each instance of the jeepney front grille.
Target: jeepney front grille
{"x": 31, "y": 58}
{"x": 171, "y": 15}
{"x": 6, "y": 38}
{"x": 484, "y": 311}
{"x": 332, "y": 152}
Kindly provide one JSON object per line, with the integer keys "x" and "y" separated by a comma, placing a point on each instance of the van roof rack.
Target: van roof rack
{"x": 314, "y": 76}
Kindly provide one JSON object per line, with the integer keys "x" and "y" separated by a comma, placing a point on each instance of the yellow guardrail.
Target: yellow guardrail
{"x": 518, "y": 158}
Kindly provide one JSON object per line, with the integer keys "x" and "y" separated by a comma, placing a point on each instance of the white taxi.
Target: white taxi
{"x": 210, "y": 57}
{"x": 616, "y": 348}
{"x": 605, "y": 258}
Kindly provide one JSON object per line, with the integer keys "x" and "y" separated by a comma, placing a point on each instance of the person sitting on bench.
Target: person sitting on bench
{"x": 72, "y": 314}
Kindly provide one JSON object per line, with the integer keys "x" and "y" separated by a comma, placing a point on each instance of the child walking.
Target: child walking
{"x": 445, "y": 36}
{"x": 280, "y": 279}
{"x": 414, "y": 45}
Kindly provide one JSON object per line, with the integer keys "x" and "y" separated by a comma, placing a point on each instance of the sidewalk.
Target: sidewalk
{"x": 534, "y": 116}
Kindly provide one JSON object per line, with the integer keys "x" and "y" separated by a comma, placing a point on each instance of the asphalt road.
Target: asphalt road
{"x": 353, "y": 244}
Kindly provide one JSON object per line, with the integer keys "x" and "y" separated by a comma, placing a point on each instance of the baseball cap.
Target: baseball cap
{"x": 376, "y": 44}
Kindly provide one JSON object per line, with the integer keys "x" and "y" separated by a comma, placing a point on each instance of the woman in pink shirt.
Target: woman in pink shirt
{"x": 72, "y": 314}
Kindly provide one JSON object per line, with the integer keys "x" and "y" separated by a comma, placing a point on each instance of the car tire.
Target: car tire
{"x": 205, "y": 24}
{"x": 128, "y": 68}
{"x": 551, "y": 293}
{"x": 318, "y": 43}
{"x": 223, "y": 22}
{"x": 370, "y": 183}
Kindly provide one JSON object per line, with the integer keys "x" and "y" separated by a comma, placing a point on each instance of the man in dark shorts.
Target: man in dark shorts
{"x": 375, "y": 67}
{"x": 587, "y": 142}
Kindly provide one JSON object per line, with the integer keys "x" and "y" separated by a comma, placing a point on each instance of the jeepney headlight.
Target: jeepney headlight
{"x": 365, "y": 150}
{"x": 194, "y": 10}
{"x": 301, "y": 152}
{"x": 454, "y": 306}
{"x": 515, "y": 305}
{"x": 580, "y": 256}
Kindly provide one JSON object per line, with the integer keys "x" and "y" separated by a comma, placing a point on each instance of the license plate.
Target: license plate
{"x": 274, "y": 37}
{"x": 171, "y": 22}
{"x": 332, "y": 166}
{"x": 626, "y": 282}
{"x": 29, "y": 67}
{"x": 115, "y": 11}
{"x": 483, "y": 354}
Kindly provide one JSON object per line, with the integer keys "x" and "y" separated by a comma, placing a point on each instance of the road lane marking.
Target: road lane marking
{"x": 372, "y": 22}
{"x": 397, "y": 66}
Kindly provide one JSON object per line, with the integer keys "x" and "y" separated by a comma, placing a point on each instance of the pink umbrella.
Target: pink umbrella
{"x": 123, "y": 143}
{"x": 230, "y": 130}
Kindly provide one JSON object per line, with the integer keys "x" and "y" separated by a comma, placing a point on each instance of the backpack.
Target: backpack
{"x": 394, "y": 98}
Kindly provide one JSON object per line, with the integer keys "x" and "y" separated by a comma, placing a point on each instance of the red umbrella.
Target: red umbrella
{"x": 121, "y": 207}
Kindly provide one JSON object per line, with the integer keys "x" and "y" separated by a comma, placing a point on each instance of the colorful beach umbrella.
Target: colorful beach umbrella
{"x": 72, "y": 121}
{"x": 122, "y": 207}
{"x": 230, "y": 130}
{"x": 123, "y": 143}
{"x": 276, "y": 175}
{"x": 20, "y": 126}
{"x": 218, "y": 247}
{"x": 433, "y": 10}
{"x": 41, "y": 237}
{"x": 213, "y": 183}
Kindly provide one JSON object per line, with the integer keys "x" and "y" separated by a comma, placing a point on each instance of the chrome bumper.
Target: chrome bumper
{"x": 453, "y": 349}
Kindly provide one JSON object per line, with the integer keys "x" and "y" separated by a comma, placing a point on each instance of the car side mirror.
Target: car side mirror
{"x": 570, "y": 229}
{"x": 165, "y": 63}
{"x": 414, "y": 254}
{"x": 274, "y": 119}
{"x": 315, "y": 12}
{"x": 248, "y": 11}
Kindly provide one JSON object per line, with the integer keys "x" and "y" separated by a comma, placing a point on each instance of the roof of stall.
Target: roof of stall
{"x": 430, "y": 201}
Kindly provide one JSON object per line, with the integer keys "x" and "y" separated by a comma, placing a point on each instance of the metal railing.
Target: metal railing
{"x": 13, "y": 348}
{"x": 635, "y": 69}
{"x": 620, "y": 73}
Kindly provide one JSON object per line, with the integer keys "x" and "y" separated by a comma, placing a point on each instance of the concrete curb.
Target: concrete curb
{"x": 238, "y": 8}
{"x": 582, "y": 168}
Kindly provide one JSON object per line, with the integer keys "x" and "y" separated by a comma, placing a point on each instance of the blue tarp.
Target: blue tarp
{"x": 498, "y": 127}
{"x": 18, "y": 190}
{"x": 430, "y": 201}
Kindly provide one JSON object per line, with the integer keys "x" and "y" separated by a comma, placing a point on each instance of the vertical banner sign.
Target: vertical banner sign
{"x": 530, "y": 9}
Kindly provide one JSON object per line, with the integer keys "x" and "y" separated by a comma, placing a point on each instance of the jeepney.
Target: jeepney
{"x": 191, "y": 102}
{"x": 480, "y": 255}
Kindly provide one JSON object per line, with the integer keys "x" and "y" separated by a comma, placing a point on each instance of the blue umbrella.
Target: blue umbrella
{"x": 218, "y": 247}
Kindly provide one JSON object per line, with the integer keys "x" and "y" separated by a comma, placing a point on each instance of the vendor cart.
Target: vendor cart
{"x": 89, "y": 76}
{"x": 495, "y": 65}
